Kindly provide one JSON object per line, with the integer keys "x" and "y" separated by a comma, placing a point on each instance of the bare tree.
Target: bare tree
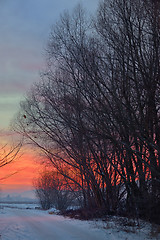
{"x": 8, "y": 155}
{"x": 96, "y": 110}
{"x": 52, "y": 191}
{"x": 130, "y": 30}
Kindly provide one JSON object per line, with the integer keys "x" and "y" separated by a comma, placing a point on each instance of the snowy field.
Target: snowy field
{"x": 24, "y": 222}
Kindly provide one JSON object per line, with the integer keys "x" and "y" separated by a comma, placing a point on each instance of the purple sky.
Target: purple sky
{"x": 24, "y": 30}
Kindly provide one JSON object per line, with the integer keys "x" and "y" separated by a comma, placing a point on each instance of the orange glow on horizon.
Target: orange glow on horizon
{"x": 19, "y": 175}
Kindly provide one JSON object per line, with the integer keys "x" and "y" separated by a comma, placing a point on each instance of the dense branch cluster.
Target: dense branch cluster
{"x": 96, "y": 112}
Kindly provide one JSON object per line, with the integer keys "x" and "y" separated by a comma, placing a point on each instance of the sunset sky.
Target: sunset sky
{"x": 24, "y": 30}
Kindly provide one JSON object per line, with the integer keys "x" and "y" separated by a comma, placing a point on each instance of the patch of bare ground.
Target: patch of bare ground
{"x": 86, "y": 214}
{"x": 155, "y": 231}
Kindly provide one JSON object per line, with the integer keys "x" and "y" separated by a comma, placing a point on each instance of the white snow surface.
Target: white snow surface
{"x": 32, "y": 224}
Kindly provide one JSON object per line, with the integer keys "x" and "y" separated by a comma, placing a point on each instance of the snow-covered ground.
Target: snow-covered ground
{"x": 28, "y": 223}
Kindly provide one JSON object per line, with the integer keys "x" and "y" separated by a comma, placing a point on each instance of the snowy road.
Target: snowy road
{"x": 22, "y": 224}
{"x": 31, "y": 224}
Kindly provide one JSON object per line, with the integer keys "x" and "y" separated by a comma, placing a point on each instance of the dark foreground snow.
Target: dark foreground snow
{"x": 31, "y": 224}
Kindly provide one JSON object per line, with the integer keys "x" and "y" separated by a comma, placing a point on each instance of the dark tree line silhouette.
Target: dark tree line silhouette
{"x": 95, "y": 113}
